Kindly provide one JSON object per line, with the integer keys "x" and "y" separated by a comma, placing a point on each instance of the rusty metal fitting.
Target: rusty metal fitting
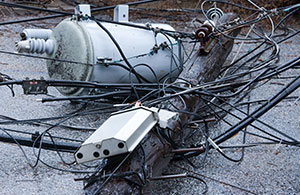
{"x": 203, "y": 31}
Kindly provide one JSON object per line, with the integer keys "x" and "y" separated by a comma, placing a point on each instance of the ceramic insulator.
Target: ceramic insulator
{"x": 39, "y": 46}
{"x": 36, "y": 34}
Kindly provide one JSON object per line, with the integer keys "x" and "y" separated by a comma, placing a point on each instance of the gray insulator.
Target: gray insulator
{"x": 214, "y": 13}
{"x": 36, "y": 34}
{"x": 39, "y": 46}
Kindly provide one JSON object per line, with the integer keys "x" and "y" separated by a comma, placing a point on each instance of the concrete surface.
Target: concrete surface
{"x": 270, "y": 169}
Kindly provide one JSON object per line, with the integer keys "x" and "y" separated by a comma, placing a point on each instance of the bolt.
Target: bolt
{"x": 98, "y": 146}
{"x": 201, "y": 34}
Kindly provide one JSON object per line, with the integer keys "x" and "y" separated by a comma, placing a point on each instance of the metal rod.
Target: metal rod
{"x": 176, "y": 176}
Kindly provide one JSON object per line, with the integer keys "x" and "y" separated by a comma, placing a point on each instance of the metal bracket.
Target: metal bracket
{"x": 121, "y": 13}
{"x": 83, "y": 10}
{"x": 104, "y": 60}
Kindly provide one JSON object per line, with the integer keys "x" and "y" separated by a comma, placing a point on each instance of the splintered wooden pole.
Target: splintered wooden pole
{"x": 157, "y": 152}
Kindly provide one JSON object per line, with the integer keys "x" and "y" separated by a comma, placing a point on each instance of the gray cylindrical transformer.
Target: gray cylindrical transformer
{"x": 86, "y": 52}
{"x": 84, "y": 41}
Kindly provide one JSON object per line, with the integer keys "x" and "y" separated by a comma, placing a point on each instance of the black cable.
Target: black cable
{"x": 292, "y": 86}
{"x": 234, "y": 4}
{"x": 60, "y": 13}
{"x": 60, "y": 146}
{"x": 31, "y": 19}
{"x": 27, "y": 7}
{"x": 43, "y": 58}
{"x": 139, "y": 77}
{"x": 86, "y": 97}
{"x": 129, "y": 4}
{"x": 267, "y": 48}
{"x": 33, "y": 135}
{"x": 97, "y": 192}
{"x": 13, "y": 140}
{"x": 254, "y": 126}
{"x": 40, "y": 139}
{"x": 39, "y": 123}
{"x": 197, "y": 89}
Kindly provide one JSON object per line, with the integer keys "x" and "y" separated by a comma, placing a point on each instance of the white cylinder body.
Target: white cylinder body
{"x": 85, "y": 42}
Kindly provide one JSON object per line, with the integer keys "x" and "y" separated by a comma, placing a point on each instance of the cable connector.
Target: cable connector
{"x": 34, "y": 87}
{"x": 156, "y": 30}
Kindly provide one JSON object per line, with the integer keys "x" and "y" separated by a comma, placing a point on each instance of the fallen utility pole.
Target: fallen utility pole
{"x": 157, "y": 153}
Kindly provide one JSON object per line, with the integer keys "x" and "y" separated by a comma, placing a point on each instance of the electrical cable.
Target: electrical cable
{"x": 157, "y": 94}
{"x": 293, "y": 85}
{"x": 60, "y": 13}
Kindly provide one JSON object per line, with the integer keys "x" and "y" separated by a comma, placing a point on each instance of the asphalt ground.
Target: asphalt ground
{"x": 267, "y": 169}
